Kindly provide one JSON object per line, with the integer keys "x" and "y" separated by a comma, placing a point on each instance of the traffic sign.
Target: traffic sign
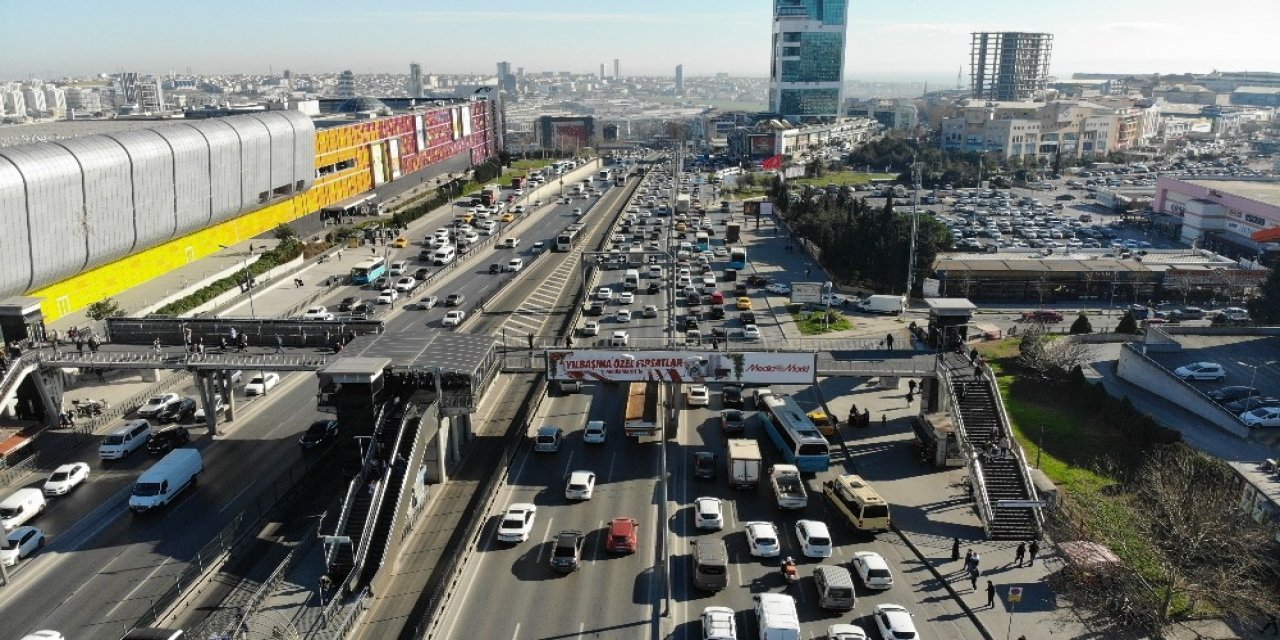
{"x": 1015, "y": 594}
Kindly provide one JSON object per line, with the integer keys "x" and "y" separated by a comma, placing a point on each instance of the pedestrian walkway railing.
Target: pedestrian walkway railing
{"x": 976, "y": 482}
{"x": 19, "y": 369}
{"x": 1006, "y": 429}
{"x": 344, "y": 614}
{"x": 150, "y": 359}
{"x": 384, "y": 484}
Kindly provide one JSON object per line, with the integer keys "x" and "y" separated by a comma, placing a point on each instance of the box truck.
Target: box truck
{"x": 744, "y": 464}
{"x": 160, "y": 484}
{"x": 883, "y": 304}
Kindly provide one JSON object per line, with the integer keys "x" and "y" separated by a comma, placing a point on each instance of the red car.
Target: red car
{"x": 622, "y": 535}
{"x": 1041, "y": 315}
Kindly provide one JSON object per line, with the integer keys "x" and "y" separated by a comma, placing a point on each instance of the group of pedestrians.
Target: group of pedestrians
{"x": 972, "y": 568}
{"x": 860, "y": 420}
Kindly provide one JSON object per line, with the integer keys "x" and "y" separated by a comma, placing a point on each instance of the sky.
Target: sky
{"x": 903, "y": 40}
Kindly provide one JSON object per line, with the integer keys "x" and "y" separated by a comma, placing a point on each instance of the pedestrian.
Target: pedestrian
{"x": 279, "y": 344}
{"x": 156, "y": 345}
{"x": 243, "y": 342}
{"x": 1272, "y": 624}
{"x": 884, "y": 422}
{"x": 960, "y": 391}
{"x": 1033, "y": 550}
{"x": 973, "y": 578}
{"x": 1020, "y": 553}
{"x": 968, "y": 557}
{"x": 250, "y": 248}
{"x": 222, "y": 343}
{"x": 233, "y": 334}
{"x": 339, "y": 255}
{"x": 1004, "y": 446}
{"x": 568, "y": 342}
{"x": 977, "y": 561}
{"x": 866, "y": 418}
{"x": 530, "y": 341}
{"x": 186, "y": 335}
{"x": 94, "y": 343}
{"x": 888, "y": 340}
{"x": 973, "y": 356}
{"x": 911, "y": 396}
{"x": 911, "y": 386}
{"x": 977, "y": 370}
{"x": 991, "y": 595}
{"x": 955, "y": 549}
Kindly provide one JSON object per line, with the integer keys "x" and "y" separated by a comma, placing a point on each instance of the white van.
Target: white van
{"x": 835, "y": 588}
{"x": 125, "y": 440}
{"x": 443, "y": 255}
{"x": 883, "y": 304}
{"x": 776, "y": 617}
{"x": 160, "y": 484}
{"x": 631, "y": 280}
{"x": 514, "y": 265}
{"x": 20, "y": 507}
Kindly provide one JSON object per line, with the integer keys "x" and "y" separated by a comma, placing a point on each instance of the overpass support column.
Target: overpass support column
{"x": 50, "y": 393}
{"x": 201, "y": 379}
{"x": 223, "y": 387}
{"x": 433, "y": 455}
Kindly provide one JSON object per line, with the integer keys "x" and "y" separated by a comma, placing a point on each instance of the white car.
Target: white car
{"x": 721, "y": 252}
{"x": 261, "y": 384}
{"x": 620, "y": 338}
{"x": 872, "y": 569}
{"x": 580, "y": 486}
{"x": 623, "y": 315}
{"x": 777, "y": 288}
{"x": 317, "y": 313}
{"x": 398, "y": 268}
{"x": 514, "y": 265}
{"x": 157, "y": 404}
{"x": 453, "y": 318}
{"x": 750, "y": 332}
{"x": 387, "y": 296}
{"x": 405, "y": 284}
{"x": 65, "y": 478}
{"x": 428, "y": 302}
{"x": 699, "y": 396}
{"x": 1201, "y": 371}
{"x": 510, "y": 243}
{"x": 517, "y": 522}
{"x": 20, "y": 543}
{"x": 815, "y": 539}
{"x": 762, "y": 537}
{"x": 894, "y": 622}
{"x": 1262, "y": 417}
{"x": 718, "y": 623}
{"x": 708, "y": 513}
{"x": 591, "y": 328}
{"x": 594, "y": 433}
{"x": 845, "y": 631}
{"x": 604, "y": 294}
{"x": 218, "y": 407}
{"x": 44, "y": 634}
{"x": 626, "y": 297}
{"x": 438, "y": 242}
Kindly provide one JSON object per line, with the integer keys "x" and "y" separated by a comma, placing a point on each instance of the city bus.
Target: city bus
{"x": 368, "y": 271}
{"x": 738, "y": 258}
{"x": 793, "y": 433}
{"x": 702, "y": 241}
{"x": 860, "y": 505}
{"x": 567, "y": 238}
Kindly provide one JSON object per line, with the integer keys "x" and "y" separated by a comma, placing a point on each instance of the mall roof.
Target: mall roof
{"x": 1081, "y": 261}
{"x": 1266, "y": 192}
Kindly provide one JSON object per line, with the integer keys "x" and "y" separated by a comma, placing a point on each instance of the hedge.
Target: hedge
{"x": 282, "y": 253}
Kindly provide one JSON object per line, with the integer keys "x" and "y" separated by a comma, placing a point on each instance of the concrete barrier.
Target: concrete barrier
{"x": 1139, "y": 369}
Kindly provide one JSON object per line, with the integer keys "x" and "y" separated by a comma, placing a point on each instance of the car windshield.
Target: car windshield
{"x": 513, "y": 523}
{"x": 59, "y": 476}
{"x": 146, "y": 489}
{"x": 8, "y": 512}
{"x": 114, "y": 440}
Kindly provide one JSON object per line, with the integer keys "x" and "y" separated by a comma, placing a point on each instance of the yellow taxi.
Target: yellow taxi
{"x": 823, "y": 422}
{"x": 680, "y": 226}
{"x": 400, "y": 242}
{"x": 744, "y": 304}
{"x": 508, "y": 217}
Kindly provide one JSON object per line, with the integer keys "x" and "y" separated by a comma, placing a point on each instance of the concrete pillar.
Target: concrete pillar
{"x": 206, "y": 400}
{"x": 890, "y": 382}
{"x": 51, "y": 407}
{"x": 149, "y": 375}
{"x": 229, "y": 399}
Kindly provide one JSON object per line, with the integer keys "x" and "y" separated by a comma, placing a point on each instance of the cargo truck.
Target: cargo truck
{"x": 732, "y": 232}
{"x": 517, "y": 183}
{"x": 883, "y": 304}
{"x": 682, "y": 203}
{"x": 788, "y": 487}
{"x": 745, "y": 462}
{"x": 490, "y": 194}
{"x": 640, "y": 419}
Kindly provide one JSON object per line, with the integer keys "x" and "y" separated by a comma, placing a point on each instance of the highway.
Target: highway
{"x": 103, "y": 567}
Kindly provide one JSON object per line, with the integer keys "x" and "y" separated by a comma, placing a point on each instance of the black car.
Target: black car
{"x": 740, "y": 290}
{"x": 320, "y": 432}
{"x": 180, "y": 411}
{"x": 731, "y": 396}
{"x": 421, "y": 274}
{"x": 717, "y": 312}
{"x": 690, "y": 323}
{"x": 596, "y": 308}
{"x": 348, "y": 302}
{"x": 495, "y": 268}
{"x": 757, "y": 280}
{"x": 704, "y": 465}
{"x": 454, "y": 299}
{"x": 732, "y": 420}
{"x": 1251, "y": 403}
{"x": 167, "y": 439}
{"x": 747, "y": 317}
{"x": 653, "y": 288}
{"x": 566, "y": 556}
{"x": 1232, "y": 393}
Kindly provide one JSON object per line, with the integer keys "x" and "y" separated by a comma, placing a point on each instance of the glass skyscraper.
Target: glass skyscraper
{"x": 806, "y": 77}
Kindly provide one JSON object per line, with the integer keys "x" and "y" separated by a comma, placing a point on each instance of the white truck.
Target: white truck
{"x": 788, "y": 487}
{"x": 682, "y": 203}
{"x": 745, "y": 462}
{"x": 160, "y": 484}
{"x": 883, "y": 304}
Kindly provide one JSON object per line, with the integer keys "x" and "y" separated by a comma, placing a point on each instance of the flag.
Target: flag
{"x": 773, "y": 163}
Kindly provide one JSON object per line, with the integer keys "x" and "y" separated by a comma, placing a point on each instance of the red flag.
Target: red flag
{"x": 772, "y": 163}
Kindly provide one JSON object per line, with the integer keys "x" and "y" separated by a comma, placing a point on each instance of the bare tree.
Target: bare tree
{"x": 1051, "y": 359}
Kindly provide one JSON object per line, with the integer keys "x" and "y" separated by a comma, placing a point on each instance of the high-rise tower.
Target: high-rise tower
{"x": 346, "y": 84}
{"x": 806, "y": 77}
{"x": 1009, "y": 65}
{"x": 679, "y": 79}
{"x": 416, "y": 89}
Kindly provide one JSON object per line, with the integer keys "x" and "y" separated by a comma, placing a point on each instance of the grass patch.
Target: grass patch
{"x": 811, "y": 322}
{"x": 746, "y": 193}
{"x": 521, "y": 168}
{"x": 844, "y": 178}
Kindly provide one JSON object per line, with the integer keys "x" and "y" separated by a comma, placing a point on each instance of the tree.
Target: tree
{"x": 1128, "y": 324}
{"x": 284, "y": 233}
{"x": 1048, "y": 359}
{"x": 1265, "y": 309}
{"x": 103, "y": 309}
{"x": 1081, "y": 325}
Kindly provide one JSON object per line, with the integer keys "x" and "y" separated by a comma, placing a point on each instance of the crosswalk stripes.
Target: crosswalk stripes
{"x": 532, "y": 314}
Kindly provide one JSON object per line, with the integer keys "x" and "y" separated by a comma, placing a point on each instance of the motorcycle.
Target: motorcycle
{"x": 789, "y": 571}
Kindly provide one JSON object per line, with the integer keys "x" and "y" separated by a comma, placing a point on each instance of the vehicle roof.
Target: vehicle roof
{"x": 548, "y": 430}
{"x": 522, "y": 506}
{"x": 580, "y": 475}
{"x": 872, "y": 559}
{"x": 761, "y": 527}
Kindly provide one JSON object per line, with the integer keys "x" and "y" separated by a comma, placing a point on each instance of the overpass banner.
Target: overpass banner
{"x": 682, "y": 366}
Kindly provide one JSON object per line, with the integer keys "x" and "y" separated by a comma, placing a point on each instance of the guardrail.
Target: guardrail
{"x": 268, "y": 586}
{"x": 975, "y": 466}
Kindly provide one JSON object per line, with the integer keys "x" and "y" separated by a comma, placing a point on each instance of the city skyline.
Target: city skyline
{"x": 325, "y": 36}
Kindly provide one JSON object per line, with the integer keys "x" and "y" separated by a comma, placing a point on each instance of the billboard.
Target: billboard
{"x": 806, "y": 292}
{"x": 570, "y": 135}
{"x": 682, "y": 366}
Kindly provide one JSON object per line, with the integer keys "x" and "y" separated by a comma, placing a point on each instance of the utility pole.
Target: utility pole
{"x": 915, "y": 225}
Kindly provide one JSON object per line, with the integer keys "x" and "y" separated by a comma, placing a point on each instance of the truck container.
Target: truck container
{"x": 160, "y": 484}
{"x": 517, "y": 183}
{"x": 788, "y": 487}
{"x": 732, "y": 232}
{"x": 490, "y": 194}
{"x": 744, "y": 464}
{"x": 883, "y": 304}
{"x": 641, "y": 418}
{"x": 682, "y": 203}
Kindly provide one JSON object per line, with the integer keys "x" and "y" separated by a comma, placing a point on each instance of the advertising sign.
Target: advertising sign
{"x": 806, "y": 292}
{"x": 682, "y": 366}
{"x": 931, "y": 287}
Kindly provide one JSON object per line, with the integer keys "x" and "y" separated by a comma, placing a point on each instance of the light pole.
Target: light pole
{"x": 1254, "y": 378}
{"x": 248, "y": 282}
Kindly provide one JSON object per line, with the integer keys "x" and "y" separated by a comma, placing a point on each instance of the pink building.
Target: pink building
{"x": 1222, "y": 213}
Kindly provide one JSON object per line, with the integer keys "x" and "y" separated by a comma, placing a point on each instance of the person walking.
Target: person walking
{"x": 973, "y": 356}
{"x": 339, "y": 255}
{"x": 977, "y": 560}
{"x": 222, "y": 343}
{"x": 973, "y": 578}
{"x": 1020, "y": 553}
{"x": 1004, "y": 447}
{"x": 866, "y": 418}
{"x": 955, "y": 549}
{"x": 960, "y": 391}
{"x": 991, "y": 595}
{"x": 156, "y": 345}
{"x": 279, "y": 344}
{"x": 888, "y": 340}
{"x": 1033, "y": 550}
{"x": 884, "y": 420}
{"x": 911, "y": 396}
{"x": 968, "y": 559}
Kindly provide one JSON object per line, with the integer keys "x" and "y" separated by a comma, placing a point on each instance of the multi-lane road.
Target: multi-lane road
{"x": 103, "y": 567}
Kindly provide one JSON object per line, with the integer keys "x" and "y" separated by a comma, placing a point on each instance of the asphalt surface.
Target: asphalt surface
{"x": 103, "y": 567}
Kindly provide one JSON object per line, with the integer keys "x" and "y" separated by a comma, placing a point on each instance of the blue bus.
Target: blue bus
{"x": 702, "y": 241}
{"x": 738, "y": 258}
{"x": 793, "y": 433}
{"x": 368, "y": 271}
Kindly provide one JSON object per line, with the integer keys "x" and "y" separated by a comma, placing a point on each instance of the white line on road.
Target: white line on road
{"x": 515, "y": 634}
{"x": 141, "y": 583}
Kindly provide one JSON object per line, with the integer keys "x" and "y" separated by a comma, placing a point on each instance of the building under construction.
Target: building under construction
{"x": 1009, "y": 65}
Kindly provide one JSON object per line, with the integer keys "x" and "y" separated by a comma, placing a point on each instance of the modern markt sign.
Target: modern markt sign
{"x": 682, "y": 366}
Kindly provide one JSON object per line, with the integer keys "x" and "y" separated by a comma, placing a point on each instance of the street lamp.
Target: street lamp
{"x": 1254, "y": 378}
{"x": 248, "y": 282}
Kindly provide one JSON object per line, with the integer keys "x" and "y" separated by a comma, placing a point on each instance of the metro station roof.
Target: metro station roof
{"x": 425, "y": 349}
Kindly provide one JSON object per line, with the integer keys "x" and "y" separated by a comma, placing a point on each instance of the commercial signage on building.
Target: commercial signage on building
{"x": 682, "y": 366}
{"x": 806, "y": 292}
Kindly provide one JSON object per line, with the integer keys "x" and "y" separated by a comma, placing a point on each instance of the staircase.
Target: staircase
{"x": 344, "y": 557}
{"x": 984, "y": 422}
{"x": 391, "y": 497}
